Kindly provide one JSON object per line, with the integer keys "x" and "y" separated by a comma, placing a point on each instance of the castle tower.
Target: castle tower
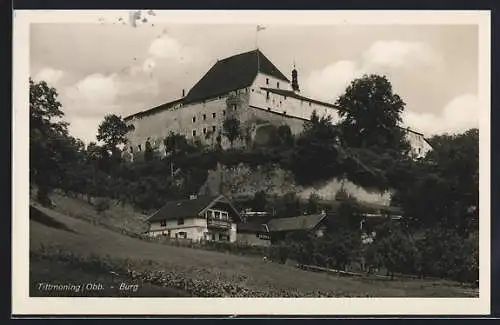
{"x": 295, "y": 80}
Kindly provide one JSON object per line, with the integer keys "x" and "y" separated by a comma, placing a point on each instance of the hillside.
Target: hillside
{"x": 56, "y": 237}
{"x": 243, "y": 181}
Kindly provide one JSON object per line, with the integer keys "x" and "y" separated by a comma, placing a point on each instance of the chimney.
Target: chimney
{"x": 183, "y": 93}
{"x": 193, "y": 197}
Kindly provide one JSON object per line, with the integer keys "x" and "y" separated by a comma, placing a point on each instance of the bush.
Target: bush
{"x": 101, "y": 205}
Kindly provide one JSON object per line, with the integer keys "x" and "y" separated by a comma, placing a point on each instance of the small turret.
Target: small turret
{"x": 295, "y": 80}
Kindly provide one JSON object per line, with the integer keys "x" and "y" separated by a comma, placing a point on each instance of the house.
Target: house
{"x": 210, "y": 218}
{"x": 274, "y": 230}
{"x": 253, "y": 233}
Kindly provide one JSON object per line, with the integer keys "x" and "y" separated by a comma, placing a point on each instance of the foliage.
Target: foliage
{"x": 49, "y": 139}
{"x": 232, "y": 130}
{"x": 259, "y": 201}
{"x": 112, "y": 131}
{"x": 101, "y": 205}
{"x": 371, "y": 114}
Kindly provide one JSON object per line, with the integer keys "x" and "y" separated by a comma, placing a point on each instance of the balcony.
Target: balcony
{"x": 219, "y": 224}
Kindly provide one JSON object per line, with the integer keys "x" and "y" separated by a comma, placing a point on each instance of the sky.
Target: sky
{"x": 122, "y": 64}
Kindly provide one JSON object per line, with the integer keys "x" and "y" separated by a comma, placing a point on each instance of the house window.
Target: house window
{"x": 204, "y": 130}
{"x": 180, "y": 221}
{"x": 224, "y": 113}
{"x": 204, "y": 117}
{"x": 267, "y": 81}
{"x": 213, "y": 237}
{"x": 139, "y": 147}
{"x": 267, "y": 95}
{"x": 194, "y": 133}
{"x": 213, "y": 128}
{"x": 163, "y": 223}
{"x": 181, "y": 234}
{"x": 213, "y": 115}
{"x": 277, "y": 84}
{"x": 309, "y": 104}
{"x": 223, "y": 237}
{"x": 194, "y": 119}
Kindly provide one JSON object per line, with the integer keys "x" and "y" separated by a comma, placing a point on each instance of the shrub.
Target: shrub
{"x": 101, "y": 205}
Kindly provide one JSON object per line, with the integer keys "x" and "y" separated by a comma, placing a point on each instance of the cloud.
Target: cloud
{"x": 459, "y": 115}
{"x": 50, "y": 75}
{"x": 398, "y": 54}
{"x": 166, "y": 47}
{"x": 330, "y": 82}
{"x": 97, "y": 91}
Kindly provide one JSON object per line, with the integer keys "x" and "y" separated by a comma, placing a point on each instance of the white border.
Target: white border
{"x": 23, "y": 304}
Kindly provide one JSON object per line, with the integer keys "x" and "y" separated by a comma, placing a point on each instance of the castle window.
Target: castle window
{"x": 277, "y": 84}
{"x": 213, "y": 115}
{"x": 194, "y": 119}
{"x": 204, "y": 130}
{"x": 204, "y": 116}
{"x": 267, "y": 95}
{"x": 224, "y": 113}
{"x": 267, "y": 81}
{"x": 163, "y": 223}
{"x": 139, "y": 147}
{"x": 234, "y": 107}
{"x": 194, "y": 133}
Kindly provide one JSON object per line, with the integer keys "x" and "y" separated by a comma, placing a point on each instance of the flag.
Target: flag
{"x": 259, "y": 28}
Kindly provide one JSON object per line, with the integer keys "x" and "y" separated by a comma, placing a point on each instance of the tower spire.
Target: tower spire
{"x": 295, "y": 79}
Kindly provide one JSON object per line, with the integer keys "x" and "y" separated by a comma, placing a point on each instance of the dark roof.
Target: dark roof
{"x": 235, "y": 72}
{"x": 252, "y": 227}
{"x": 307, "y": 222}
{"x": 187, "y": 208}
{"x": 290, "y": 93}
{"x": 153, "y": 110}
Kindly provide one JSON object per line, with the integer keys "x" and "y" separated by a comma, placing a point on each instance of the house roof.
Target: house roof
{"x": 252, "y": 227}
{"x": 306, "y": 222}
{"x": 232, "y": 73}
{"x": 153, "y": 110}
{"x": 292, "y": 94}
{"x": 188, "y": 208}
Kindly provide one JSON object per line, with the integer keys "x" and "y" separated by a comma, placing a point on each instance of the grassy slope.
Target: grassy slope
{"x": 86, "y": 238}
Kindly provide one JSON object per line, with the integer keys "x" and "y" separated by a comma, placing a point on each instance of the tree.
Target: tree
{"x": 316, "y": 154}
{"x": 371, "y": 115}
{"x": 259, "y": 201}
{"x": 312, "y": 206}
{"x": 231, "y": 127}
{"x": 148, "y": 151}
{"x": 451, "y": 199}
{"x": 47, "y": 134}
{"x": 113, "y": 131}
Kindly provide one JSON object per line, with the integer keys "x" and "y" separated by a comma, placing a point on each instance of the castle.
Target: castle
{"x": 246, "y": 86}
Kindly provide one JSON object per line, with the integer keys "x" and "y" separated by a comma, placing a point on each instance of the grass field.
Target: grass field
{"x": 84, "y": 239}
